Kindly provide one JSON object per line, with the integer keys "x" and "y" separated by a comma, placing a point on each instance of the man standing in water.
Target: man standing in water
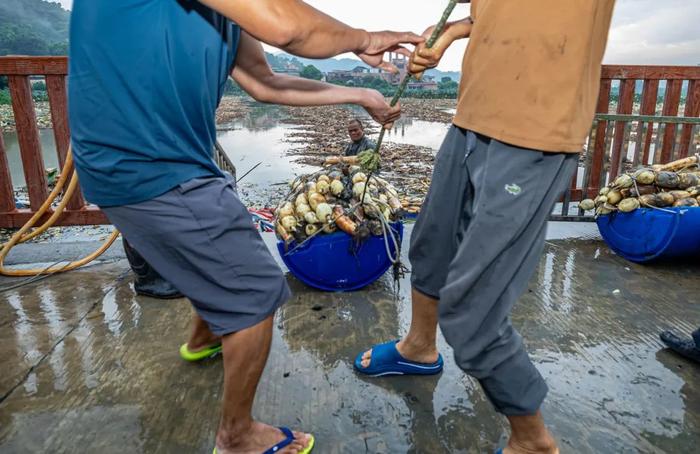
{"x": 146, "y": 77}
{"x": 530, "y": 81}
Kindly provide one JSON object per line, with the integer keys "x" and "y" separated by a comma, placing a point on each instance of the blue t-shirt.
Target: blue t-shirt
{"x": 145, "y": 79}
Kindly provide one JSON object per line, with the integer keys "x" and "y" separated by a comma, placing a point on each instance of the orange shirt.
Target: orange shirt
{"x": 531, "y": 72}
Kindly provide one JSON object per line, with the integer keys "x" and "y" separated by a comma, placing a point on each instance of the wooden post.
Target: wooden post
{"x": 671, "y": 101}
{"x": 650, "y": 94}
{"x": 692, "y": 109}
{"x": 56, "y": 87}
{"x": 624, "y": 106}
{"x": 28, "y": 138}
{"x": 599, "y": 147}
{"x": 7, "y": 195}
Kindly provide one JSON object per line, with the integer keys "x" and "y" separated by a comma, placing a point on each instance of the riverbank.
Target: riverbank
{"x": 43, "y": 116}
{"x": 237, "y": 107}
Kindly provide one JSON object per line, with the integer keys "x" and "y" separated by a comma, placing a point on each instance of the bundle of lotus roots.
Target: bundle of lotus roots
{"x": 412, "y": 195}
{"x": 676, "y": 184}
{"x": 338, "y": 197}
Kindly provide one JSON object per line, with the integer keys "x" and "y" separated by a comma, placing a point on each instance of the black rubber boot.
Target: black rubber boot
{"x": 148, "y": 282}
{"x": 683, "y": 346}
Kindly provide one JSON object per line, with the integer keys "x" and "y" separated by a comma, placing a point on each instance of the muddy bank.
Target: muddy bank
{"x": 43, "y": 116}
{"x": 232, "y": 108}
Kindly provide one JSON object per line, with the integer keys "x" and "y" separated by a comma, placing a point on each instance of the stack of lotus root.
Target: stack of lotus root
{"x": 340, "y": 196}
{"x": 676, "y": 184}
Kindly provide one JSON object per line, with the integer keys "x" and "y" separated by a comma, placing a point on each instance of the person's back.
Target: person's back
{"x": 531, "y": 72}
{"x": 142, "y": 96}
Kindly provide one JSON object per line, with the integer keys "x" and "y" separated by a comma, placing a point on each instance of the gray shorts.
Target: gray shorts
{"x": 201, "y": 238}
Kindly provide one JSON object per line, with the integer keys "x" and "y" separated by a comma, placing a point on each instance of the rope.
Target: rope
{"x": 386, "y": 228}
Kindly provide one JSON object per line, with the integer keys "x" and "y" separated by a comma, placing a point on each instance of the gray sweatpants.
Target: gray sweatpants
{"x": 475, "y": 246}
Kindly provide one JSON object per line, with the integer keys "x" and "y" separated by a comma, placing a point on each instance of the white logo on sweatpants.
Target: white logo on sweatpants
{"x": 513, "y": 189}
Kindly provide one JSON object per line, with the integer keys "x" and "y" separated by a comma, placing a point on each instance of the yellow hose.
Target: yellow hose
{"x": 21, "y": 235}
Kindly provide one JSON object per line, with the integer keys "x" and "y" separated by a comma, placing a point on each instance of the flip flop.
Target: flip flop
{"x": 386, "y": 360}
{"x": 286, "y": 442}
{"x": 208, "y": 352}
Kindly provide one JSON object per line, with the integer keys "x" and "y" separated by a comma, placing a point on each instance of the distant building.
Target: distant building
{"x": 287, "y": 68}
{"x": 359, "y": 73}
{"x": 356, "y": 75}
{"x": 401, "y": 62}
{"x": 426, "y": 83}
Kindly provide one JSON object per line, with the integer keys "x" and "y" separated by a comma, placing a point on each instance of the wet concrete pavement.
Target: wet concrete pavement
{"x": 87, "y": 366}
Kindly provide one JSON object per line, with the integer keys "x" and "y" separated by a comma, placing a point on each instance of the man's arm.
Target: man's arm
{"x": 254, "y": 75}
{"x": 302, "y": 30}
{"x": 424, "y": 58}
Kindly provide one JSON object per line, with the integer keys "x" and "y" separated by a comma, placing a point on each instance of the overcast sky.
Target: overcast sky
{"x": 643, "y": 31}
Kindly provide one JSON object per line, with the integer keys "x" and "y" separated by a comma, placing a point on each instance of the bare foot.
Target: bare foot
{"x": 426, "y": 354}
{"x": 545, "y": 445}
{"x": 259, "y": 438}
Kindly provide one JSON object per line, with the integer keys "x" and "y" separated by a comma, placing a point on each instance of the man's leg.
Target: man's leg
{"x": 148, "y": 282}
{"x": 200, "y": 237}
{"x": 419, "y": 344}
{"x": 201, "y": 336}
{"x": 529, "y": 434}
{"x": 515, "y": 190}
{"x": 245, "y": 355}
{"x": 433, "y": 244}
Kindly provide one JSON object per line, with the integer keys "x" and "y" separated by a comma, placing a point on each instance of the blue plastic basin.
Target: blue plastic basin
{"x": 647, "y": 234}
{"x": 333, "y": 263}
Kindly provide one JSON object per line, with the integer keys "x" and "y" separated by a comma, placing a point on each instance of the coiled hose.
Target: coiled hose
{"x": 24, "y": 234}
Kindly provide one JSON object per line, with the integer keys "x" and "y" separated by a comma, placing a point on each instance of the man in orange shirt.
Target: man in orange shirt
{"x": 530, "y": 81}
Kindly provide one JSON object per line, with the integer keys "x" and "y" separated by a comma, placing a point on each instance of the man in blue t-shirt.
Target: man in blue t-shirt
{"x": 146, "y": 77}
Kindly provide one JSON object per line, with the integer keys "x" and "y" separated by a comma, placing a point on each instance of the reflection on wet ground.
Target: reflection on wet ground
{"x": 87, "y": 366}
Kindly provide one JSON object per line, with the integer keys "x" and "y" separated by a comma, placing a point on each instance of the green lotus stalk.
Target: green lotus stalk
{"x": 437, "y": 31}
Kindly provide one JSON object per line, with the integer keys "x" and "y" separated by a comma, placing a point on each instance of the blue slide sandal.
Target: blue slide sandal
{"x": 386, "y": 360}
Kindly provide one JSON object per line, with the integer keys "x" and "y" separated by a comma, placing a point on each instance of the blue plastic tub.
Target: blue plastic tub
{"x": 331, "y": 262}
{"x": 648, "y": 234}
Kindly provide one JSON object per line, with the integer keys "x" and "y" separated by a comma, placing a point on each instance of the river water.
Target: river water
{"x": 257, "y": 138}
